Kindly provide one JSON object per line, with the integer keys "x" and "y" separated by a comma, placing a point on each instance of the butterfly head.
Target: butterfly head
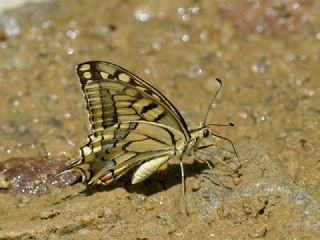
{"x": 199, "y": 133}
{"x": 205, "y": 132}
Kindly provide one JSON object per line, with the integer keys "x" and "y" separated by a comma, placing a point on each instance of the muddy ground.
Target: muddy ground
{"x": 267, "y": 53}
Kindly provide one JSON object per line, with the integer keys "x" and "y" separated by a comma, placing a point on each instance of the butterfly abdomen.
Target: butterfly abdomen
{"x": 147, "y": 168}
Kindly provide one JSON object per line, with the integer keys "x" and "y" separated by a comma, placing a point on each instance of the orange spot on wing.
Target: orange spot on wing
{"x": 107, "y": 178}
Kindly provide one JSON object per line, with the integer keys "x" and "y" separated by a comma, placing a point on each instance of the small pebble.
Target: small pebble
{"x": 3, "y": 183}
{"x": 247, "y": 209}
{"x": 100, "y": 213}
{"x": 236, "y": 181}
{"x": 258, "y": 232}
{"x": 196, "y": 185}
{"x": 147, "y": 206}
{"x": 48, "y": 213}
{"x": 128, "y": 196}
{"x": 87, "y": 219}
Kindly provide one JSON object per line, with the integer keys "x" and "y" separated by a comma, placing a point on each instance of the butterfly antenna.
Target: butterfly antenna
{"x": 213, "y": 99}
{"x": 221, "y": 125}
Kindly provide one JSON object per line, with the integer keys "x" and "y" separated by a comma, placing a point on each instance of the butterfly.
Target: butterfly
{"x": 133, "y": 127}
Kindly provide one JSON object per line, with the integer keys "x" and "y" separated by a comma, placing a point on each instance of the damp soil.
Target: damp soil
{"x": 267, "y": 54}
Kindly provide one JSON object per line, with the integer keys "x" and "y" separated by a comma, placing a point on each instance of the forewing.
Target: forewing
{"x": 112, "y": 152}
{"x": 114, "y": 95}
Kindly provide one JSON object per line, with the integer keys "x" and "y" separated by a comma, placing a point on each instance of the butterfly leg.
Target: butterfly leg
{"x": 211, "y": 169}
{"x": 184, "y": 187}
{"x": 219, "y": 159}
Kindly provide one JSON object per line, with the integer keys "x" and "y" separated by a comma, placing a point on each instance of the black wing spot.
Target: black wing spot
{"x": 116, "y": 74}
{"x": 133, "y": 125}
{"x": 148, "y": 107}
{"x": 111, "y": 163}
{"x": 148, "y": 91}
{"x": 173, "y": 141}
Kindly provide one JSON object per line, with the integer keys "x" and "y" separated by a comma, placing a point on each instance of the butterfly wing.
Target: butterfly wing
{"x": 132, "y": 125}
{"x": 112, "y": 152}
{"x": 115, "y": 95}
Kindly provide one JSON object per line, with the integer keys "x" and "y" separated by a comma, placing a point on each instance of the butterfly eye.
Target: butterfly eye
{"x": 205, "y": 132}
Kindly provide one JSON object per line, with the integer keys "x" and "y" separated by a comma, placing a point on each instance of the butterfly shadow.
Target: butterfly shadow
{"x": 165, "y": 179}
{"x": 157, "y": 182}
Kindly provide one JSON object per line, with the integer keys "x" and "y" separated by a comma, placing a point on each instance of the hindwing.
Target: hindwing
{"x": 112, "y": 152}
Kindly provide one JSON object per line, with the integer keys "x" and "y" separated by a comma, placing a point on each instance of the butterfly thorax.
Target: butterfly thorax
{"x": 197, "y": 135}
